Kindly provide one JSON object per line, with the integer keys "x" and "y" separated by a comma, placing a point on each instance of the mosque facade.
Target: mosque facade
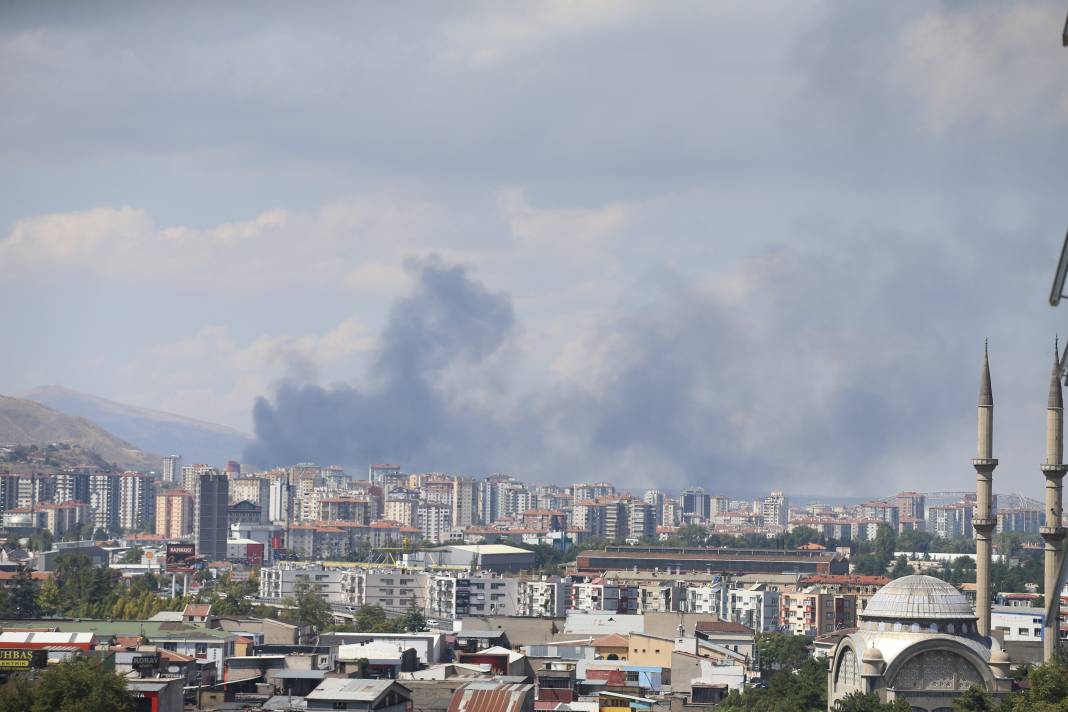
{"x": 919, "y": 639}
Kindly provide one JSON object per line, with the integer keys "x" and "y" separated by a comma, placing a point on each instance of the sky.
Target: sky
{"x": 740, "y": 245}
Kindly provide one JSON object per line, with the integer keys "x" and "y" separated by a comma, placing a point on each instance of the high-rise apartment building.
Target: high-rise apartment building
{"x": 655, "y": 498}
{"x": 911, "y": 505}
{"x": 191, "y": 475}
{"x": 378, "y": 474}
{"x": 212, "y": 516}
{"x": 137, "y": 501}
{"x": 434, "y": 521}
{"x": 464, "y": 502}
{"x": 174, "y": 514}
{"x": 776, "y": 509}
{"x": 104, "y": 500}
{"x": 256, "y": 490}
{"x": 72, "y": 486}
{"x": 172, "y": 468}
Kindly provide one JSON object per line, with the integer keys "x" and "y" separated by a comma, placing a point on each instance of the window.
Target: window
{"x": 202, "y": 650}
{"x": 1021, "y": 631}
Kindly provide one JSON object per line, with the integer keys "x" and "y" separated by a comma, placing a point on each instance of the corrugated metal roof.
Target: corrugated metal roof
{"x": 477, "y": 697}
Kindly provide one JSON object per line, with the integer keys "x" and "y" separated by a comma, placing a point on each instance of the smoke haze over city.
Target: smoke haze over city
{"x": 742, "y": 247}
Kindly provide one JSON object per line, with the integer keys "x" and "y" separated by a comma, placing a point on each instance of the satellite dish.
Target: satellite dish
{"x": 1058, "y": 279}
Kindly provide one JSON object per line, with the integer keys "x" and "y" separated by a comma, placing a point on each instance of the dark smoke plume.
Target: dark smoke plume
{"x": 403, "y": 413}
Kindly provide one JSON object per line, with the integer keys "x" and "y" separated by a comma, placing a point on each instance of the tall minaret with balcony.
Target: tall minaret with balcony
{"x": 984, "y": 520}
{"x": 1053, "y": 533}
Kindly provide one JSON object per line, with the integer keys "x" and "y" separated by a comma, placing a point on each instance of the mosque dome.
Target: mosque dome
{"x": 918, "y": 598}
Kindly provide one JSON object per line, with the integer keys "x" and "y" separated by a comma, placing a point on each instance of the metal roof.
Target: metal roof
{"x": 352, "y": 689}
{"x": 491, "y": 697}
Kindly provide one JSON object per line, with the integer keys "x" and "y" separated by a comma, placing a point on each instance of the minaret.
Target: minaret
{"x": 984, "y": 520}
{"x": 1053, "y": 532}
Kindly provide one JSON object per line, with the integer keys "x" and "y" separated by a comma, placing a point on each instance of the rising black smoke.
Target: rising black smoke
{"x": 834, "y": 366}
{"x": 403, "y": 412}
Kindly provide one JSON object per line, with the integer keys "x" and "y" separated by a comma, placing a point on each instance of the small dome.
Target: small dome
{"x": 918, "y": 598}
{"x": 999, "y": 657}
{"x": 872, "y": 655}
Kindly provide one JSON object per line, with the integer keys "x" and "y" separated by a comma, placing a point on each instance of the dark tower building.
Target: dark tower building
{"x": 212, "y": 516}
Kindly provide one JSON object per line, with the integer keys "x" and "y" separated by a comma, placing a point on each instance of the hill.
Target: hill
{"x": 156, "y": 431}
{"x": 24, "y": 422}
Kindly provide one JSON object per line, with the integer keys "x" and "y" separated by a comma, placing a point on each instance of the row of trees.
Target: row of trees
{"x": 82, "y": 685}
{"x": 80, "y": 589}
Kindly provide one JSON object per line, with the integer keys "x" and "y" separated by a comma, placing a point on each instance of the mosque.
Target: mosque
{"x": 918, "y": 639}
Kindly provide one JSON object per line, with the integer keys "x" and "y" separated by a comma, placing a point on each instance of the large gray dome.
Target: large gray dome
{"x": 918, "y": 598}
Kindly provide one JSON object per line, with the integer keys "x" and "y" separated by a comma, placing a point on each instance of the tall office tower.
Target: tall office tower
{"x": 378, "y": 474}
{"x": 464, "y": 502}
{"x": 776, "y": 509}
{"x": 984, "y": 519}
{"x": 104, "y": 500}
{"x": 72, "y": 486}
{"x": 696, "y": 502}
{"x": 137, "y": 501}
{"x": 655, "y": 498}
{"x": 174, "y": 514}
{"x": 172, "y": 469}
{"x": 1053, "y": 533}
{"x": 191, "y": 476}
{"x": 212, "y": 516}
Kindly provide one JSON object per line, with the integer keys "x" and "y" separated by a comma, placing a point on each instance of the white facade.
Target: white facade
{"x": 279, "y": 581}
{"x": 755, "y": 608}
{"x": 434, "y": 521}
{"x": 1017, "y": 624}
{"x": 708, "y": 598}
{"x": 543, "y": 598}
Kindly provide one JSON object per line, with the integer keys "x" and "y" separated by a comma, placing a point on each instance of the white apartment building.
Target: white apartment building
{"x": 546, "y": 597}
{"x": 401, "y": 510}
{"x": 1017, "y": 623}
{"x": 434, "y": 521}
{"x": 710, "y": 598}
{"x": 776, "y": 509}
{"x": 395, "y": 590}
{"x": 281, "y": 580}
{"x": 602, "y": 595}
{"x": 482, "y": 594}
{"x": 756, "y": 608}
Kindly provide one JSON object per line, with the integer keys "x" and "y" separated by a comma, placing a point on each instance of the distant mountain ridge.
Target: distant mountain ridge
{"x": 25, "y": 422}
{"x": 157, "y": 431}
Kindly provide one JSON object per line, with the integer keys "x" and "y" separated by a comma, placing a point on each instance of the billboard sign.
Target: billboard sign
{"x": 22, "y": 659}
{"x": 180, "y": 558}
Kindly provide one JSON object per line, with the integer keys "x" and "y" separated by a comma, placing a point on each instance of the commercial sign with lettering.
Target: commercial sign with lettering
{"x": 22, "y": 659}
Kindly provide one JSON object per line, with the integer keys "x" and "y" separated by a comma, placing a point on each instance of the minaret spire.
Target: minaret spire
{"x": 984, "y": 520}
{"x": 1053, "y": 532}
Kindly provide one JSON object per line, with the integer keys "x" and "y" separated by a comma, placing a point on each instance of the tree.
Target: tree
{"x": 1047, "y": 691}
{"x": 81, "y": 685}
{"x": 778, "y": 651}
{"x": 974, "y": 699}
{"x": 413, "y": 621}
{"x": 860, "y": 702}
{"x": 692, "y": 535}
{"x": 23, "y": 596}
{"x": 309, "y": 608}
{"x": 16, "y": 695}
{"x": 901, "y": 567}
{"x": 803, "y": 690}
{"x": 133, "y": 556}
